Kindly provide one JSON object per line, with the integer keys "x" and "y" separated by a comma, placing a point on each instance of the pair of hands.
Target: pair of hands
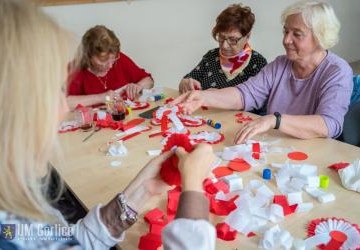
{"x": 194, "y": 167}
{"x": 132, "y": 91}
{"x": 193, "y": 100}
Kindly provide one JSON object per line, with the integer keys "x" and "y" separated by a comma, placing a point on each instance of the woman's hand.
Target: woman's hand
{"x": 189, "y": 84}
{"x": 190, "y": 101}
{"x": 147, "y": 183}
{"x": 133, "y": 90}
{"x": 255, "y": 127}
{"x": 195, "y": 166}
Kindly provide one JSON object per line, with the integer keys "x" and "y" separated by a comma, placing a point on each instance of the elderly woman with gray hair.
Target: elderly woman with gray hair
{"x": 308, "y": 90}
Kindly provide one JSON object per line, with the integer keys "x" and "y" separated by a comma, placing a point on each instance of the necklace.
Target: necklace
{"x": 104, "y": 83}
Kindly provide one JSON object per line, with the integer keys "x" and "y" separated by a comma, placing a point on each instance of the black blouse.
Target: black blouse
{"x": 210, "y": 74}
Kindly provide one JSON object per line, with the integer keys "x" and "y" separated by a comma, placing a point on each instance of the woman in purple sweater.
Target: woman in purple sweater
{"x": 307, "y": 90}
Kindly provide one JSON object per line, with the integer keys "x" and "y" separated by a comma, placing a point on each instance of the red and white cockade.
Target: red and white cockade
{"x": 136, "y": 105}
{"x": 342, "y": 233}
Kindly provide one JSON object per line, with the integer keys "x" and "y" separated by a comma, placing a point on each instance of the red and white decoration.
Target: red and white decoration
{"x": 207, "y": 137}
{"x": 136, "y": 105}
{"x": 341, "y": 233}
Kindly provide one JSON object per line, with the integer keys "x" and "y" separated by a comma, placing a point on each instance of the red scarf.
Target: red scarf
{"x": 232, "y": 64}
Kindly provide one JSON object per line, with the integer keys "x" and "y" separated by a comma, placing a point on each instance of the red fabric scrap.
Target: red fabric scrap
{"x": 339, "y": 165}
{"x": 222, "y": 171}
{"x": 213, "y": 188}
{"x": 282, "y": 201}
{"x": 220, "y": 207}
{"x": 239, "y": 165}
{"x": 225, "y": 232}
{"x": 173, "y": 200}
{"x": 150, "y": 242}
{"x": 154, "y": 215}
{"x": 156, "y": 227}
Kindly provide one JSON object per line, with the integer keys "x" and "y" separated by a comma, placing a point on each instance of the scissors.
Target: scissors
{"x": 96, "y": 129}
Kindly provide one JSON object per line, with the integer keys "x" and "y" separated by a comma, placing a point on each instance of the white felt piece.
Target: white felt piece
{"x": 294, "y": 198}
{"x": 276, "y": 213}
{"x": 315, "y": 192}
{"x": 115, "y": 164}
{"x": 154, "y": 152}
{"x": 304, "y": 207}
{"x": 313, "y": 181}
{"x": 275, "y": 238}
{"x": 235, "y": 184}
{"x": 264, "y": 190}
{"x": 329, "y": 197}
{"x": 205, "y": 135}
{"x": 117, "y": 149}
{"x": 350, "y": 176}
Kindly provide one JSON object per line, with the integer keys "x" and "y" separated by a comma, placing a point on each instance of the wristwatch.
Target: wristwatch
{"x": 278, "y": 120}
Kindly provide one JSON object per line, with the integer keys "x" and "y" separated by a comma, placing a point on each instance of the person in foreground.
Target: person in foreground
{"x": 191, "y": 229}
{"x": 234, "y": 61}
{"x": 307, "y": 90}
{"x": 33, "y": 103}
{"x": 101, "y": 70}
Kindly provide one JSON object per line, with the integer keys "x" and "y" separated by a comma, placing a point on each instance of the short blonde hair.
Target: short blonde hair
{"x": 320, "y": 18}
{"x": 34, "y": 52}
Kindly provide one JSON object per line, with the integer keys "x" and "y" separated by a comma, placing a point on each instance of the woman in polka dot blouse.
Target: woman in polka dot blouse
{"x": 234, "y": 61}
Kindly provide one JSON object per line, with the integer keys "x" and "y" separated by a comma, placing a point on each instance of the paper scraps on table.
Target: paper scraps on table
{"x": 332, "y": 233}
{"x": 276, "y": 238}
{"x": 297, "y": 156}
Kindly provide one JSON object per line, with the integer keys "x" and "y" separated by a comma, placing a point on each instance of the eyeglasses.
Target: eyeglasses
{"x": 104, "y": 63}
{"x": 232, "y": 41}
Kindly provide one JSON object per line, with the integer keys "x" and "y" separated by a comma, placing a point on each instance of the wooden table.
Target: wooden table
{"x": 87, "y": 172}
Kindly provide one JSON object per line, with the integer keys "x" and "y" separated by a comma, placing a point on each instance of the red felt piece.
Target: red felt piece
{"x": 251, "y": 234}
{"x": 222, "y": 171}
{"x": 154, "y": 215}
{"x": 225, "y": 232}
{"x": 169, "y": 171}
{"x": 340, "y": 165}
{"x": 220, "y": 207}
{"x": 297, "y": 156}
{"x": 173, "y": 200}
{"x": 256, "y": 147}
{"x": 282, "y": 201}
{"x": 239, "y": 165}
{"x": 213, "y": 188}
{"x": 156, "y": 227}
{"x": 256, "y": 156}
{"x": 170, "y": 99}
{"x": 150, "y": 242}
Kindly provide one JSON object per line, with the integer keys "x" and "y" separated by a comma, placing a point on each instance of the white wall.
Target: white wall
{"x": 169, "y": 37}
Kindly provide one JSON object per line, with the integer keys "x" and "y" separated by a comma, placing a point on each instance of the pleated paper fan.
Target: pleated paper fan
{"x": 336, "y": 227}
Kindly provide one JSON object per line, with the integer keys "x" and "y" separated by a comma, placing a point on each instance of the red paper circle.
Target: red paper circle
{"x": 297, "y": 156}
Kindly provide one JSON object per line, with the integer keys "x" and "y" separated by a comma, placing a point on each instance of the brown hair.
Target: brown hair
{"x": 236, "y": 16}
{"x": 95, "y": 41}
